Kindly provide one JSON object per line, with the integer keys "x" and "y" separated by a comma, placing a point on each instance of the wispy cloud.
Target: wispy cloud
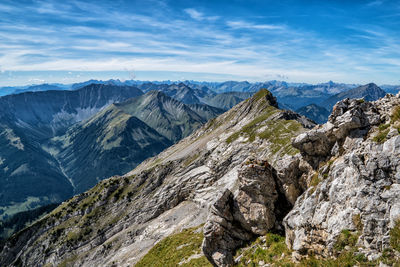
{"x": 245, "y": 42}
{"x": 375, "y": 3}
{"x": 197, "y": 15}
{"x": 247, "y": 25}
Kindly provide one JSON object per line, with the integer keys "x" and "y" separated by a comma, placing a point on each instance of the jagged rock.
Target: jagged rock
{"x": 258, "y": 208}
{"x": 221, "y": 233}
{"x": 323, "y": 141}
{"x": 359, "y": 188}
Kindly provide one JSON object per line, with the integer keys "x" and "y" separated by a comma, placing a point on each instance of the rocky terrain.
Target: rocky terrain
{"x": 240, "y": 183}
{"x": 123, "y": 217}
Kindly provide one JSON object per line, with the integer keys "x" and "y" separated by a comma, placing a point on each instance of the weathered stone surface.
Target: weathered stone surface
{"x": 221, "y": 233}
{"x": 258, "y": 208}
{"x": 359, "y": 186}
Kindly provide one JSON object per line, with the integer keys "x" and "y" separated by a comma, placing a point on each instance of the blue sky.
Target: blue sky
{"x": 298, "y": 41}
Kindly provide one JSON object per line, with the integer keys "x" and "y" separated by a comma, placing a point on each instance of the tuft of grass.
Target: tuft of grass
{"x": 176, "y": 249}
{"x": 346, "y": 238}
{"x": 315, "y": 180}
{"x": 356, "y": 218}
{"x": 395, "y": 114}
{"x": 395, "y": 236}
{"x": 383, "y": 129}
{"x": 381, "y": 136}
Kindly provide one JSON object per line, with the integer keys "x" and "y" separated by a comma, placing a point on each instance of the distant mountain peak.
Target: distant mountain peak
{"x": 370, "y": 92}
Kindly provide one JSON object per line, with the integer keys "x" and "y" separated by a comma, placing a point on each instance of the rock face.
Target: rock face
{"x": 354, "y": 173}
{"x": 255, "y": 210}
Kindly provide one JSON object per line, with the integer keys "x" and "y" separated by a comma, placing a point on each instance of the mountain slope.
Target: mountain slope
{"x": 314, "y": 112}
{"x": 369, "y": 92}
{"x": 110, "y": 143}
{"x": 205, "y": 111}
{"x": 226, "y": 100}
{"x": 30, "y": 176}
{"x": 49, "y": 113}
{"x": 166, "y": 115}
{"x": 23, "y": 166}
{"x": 180, "y": 92}
{"x": 115, "y": 141}
{"x": 162, "y": 195}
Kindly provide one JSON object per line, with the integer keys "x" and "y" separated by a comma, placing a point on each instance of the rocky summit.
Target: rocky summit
{"x": 256, "y": 186}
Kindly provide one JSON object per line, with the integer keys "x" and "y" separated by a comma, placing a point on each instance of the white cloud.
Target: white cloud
{"x": 247, "y": 25}
{"x": 197, "y": 15}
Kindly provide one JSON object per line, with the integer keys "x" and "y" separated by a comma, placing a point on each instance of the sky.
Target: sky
{"x": 48, "y": 41}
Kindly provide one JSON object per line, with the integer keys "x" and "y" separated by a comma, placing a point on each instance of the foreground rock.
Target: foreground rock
{"x": 354, "y": 179}
{"x": 263, "y": 198}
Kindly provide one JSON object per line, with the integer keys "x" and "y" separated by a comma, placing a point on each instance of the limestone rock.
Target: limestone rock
{"x": 258, "y": 208}
{"x": 359, "y": 187}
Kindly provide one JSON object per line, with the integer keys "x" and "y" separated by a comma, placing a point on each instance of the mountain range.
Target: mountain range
{"x": 69, "y": 140}
{"x": 58, "y": 143}
{"x": 369, "y": 92}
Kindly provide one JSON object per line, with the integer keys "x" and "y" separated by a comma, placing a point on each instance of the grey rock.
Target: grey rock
{"x": 258, "y": 208}
{"x": 359, "y": 190}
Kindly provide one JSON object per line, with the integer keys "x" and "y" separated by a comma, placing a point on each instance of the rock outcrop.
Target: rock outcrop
{"x": 354, "y": 180}
{"x": 257, "y": 208}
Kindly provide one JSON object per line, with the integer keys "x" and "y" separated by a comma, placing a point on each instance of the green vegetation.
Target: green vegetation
{"x": 250, "y": 129}
{"x": 261, "y": 93}
{"x": 356, "y": 218}
{"x": 278, "y": 132}
{"x": 395, "y": 236}
{"x": 271, "y": 249}
{"x": 382, "y": 133}
{"x": 396, "y": 114}
{"x": 190, "y": 159}
{"x": 346, "y": 238}
{"x": 315, "y": 180}
{"x": 175, "y": 249}
{"x": 22, "y": 219}
{"x": 384, "y": 129}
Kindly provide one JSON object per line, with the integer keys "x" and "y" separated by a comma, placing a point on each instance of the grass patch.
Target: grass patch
{"x": 269, "y": 249}
{"x": 356, "y": 218}
{"x": 346, "y": 238}
{"x": 381, "y": 136}
{"x": 278, "y": 132}
{"x": 395, "y": 236}
{"x": 176, "y": 249}
{"x": 189, "y": 160}
{"x": 395, "y": 115}
{"x": 250, "y": 128}
{"x": 383, "y": 129}
{"x": 272, "y": 250}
